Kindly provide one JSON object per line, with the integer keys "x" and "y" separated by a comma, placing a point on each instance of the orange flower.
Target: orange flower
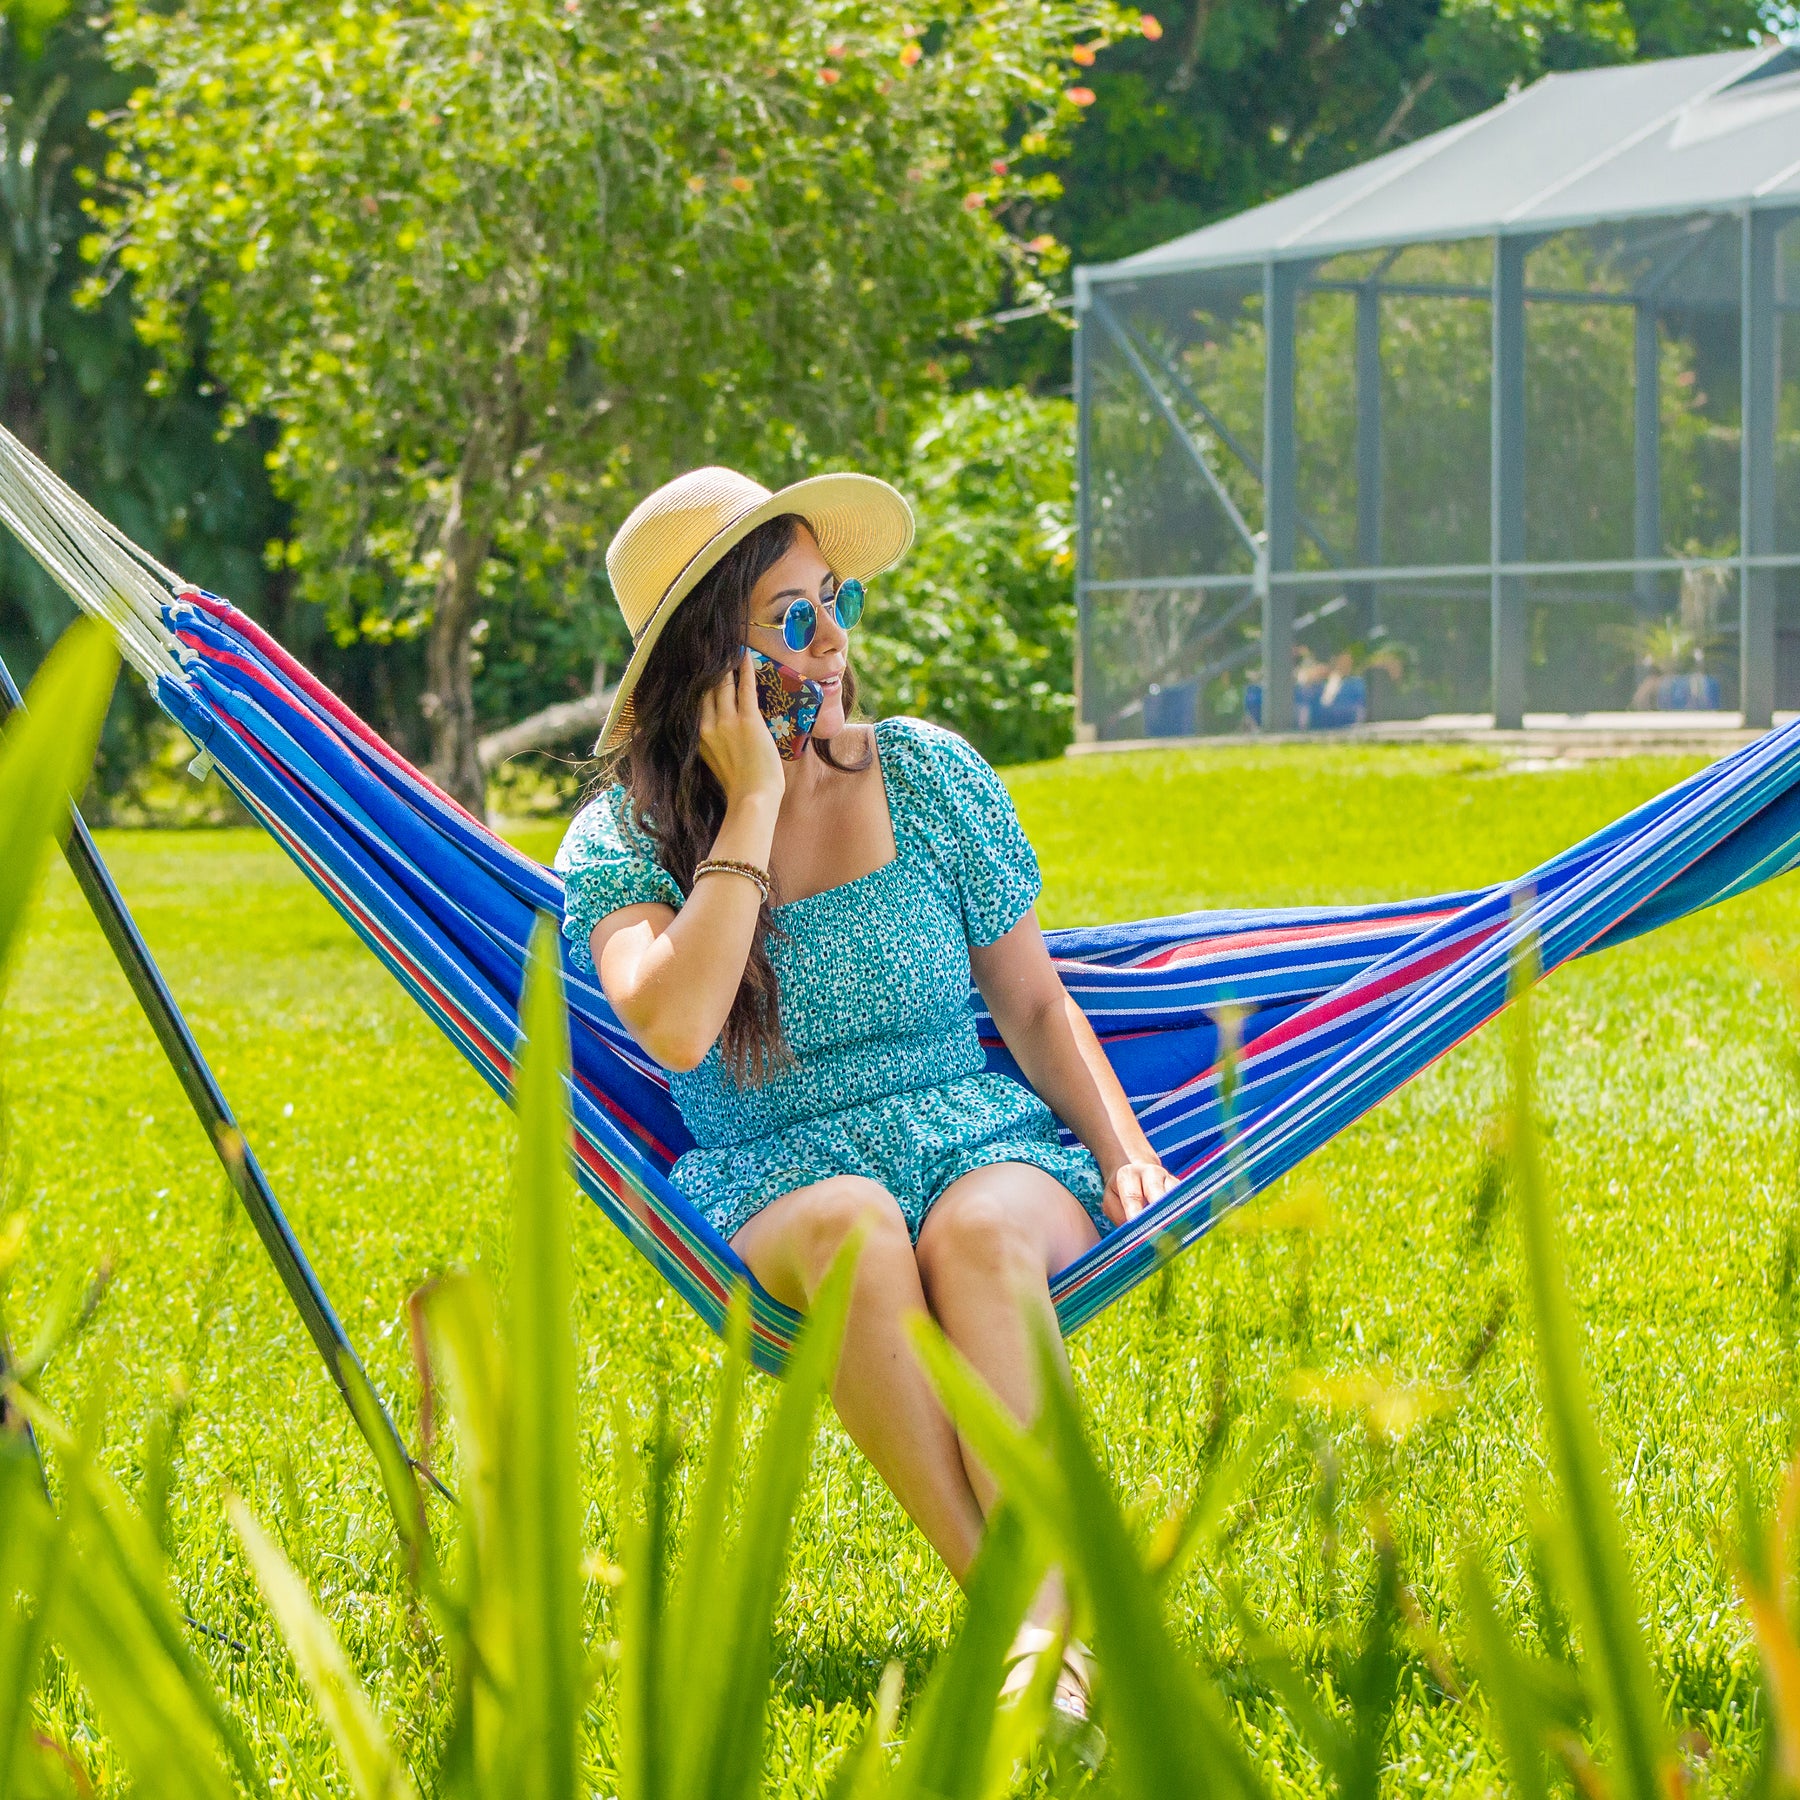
{"x": 910, "y": 54}
{"x": 1083, "y": 54}
{"x": 1042, "y": 242}
{"x": 837, "y": 52}
{"x": 998, "y": 165}
{"x": 1151, "y": 26}
{"x": 831, "y": 77}
{"x": 741, "y": 183}
{"x": 1079, "y": 96}
{"x": 696, "y": 183}
{"x": 974, "y": 202}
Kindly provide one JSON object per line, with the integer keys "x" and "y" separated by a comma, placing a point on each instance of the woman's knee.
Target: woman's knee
{"x": 978, "y": 1236}
{"x": 830, "y": 1213}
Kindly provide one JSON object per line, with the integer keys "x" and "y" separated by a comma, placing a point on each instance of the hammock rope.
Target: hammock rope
{"x": 1337, "y": 1006}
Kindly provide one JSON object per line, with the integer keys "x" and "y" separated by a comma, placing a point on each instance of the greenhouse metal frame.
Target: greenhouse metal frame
{"x": 1529, "y": 387}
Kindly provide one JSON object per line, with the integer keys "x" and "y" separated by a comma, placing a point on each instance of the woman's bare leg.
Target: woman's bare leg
{"x": 985, "y": 1257}
{"x": 881, "y": 1393}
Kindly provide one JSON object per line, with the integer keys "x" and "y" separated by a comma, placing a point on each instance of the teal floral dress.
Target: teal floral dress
{"x": 888, "y": 1079}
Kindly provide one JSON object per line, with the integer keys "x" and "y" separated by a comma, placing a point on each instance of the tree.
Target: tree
{"x": 1229, "y": 103}
{"x": 497, "y": 266}
{"x": 73, "y": 380}
{"x": 976, "y": 628}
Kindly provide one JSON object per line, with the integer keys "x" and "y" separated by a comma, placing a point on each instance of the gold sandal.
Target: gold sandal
{"x": 1074, "y": 1680}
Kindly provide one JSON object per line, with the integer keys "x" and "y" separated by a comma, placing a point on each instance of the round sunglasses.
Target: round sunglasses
{"x": 799, "y": 625}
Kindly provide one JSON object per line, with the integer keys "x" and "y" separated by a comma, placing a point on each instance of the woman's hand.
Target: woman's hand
{"x": 735, "y": 740}
{"x": 1134, "y": 1185}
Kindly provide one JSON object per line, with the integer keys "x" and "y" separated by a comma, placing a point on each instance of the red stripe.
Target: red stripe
{"x": 635, "y": 1126}
{"x": 316, "y": 691}
{"x": 1333, "y": 1006}
{"x": 1288, "y": 934}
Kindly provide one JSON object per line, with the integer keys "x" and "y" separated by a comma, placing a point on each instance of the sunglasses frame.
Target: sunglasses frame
{"x": 793, "y": 606}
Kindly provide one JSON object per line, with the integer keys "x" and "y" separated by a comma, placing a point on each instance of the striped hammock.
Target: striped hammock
{"x": 1335, "y": 1007}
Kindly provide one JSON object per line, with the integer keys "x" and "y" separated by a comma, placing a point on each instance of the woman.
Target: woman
{"x": 791, "y": 930}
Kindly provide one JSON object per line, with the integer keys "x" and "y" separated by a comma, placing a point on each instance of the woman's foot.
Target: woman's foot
{"x": 1074, "y": 1679}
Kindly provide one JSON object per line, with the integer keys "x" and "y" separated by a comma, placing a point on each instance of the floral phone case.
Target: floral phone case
{"x": 789, "y": 702}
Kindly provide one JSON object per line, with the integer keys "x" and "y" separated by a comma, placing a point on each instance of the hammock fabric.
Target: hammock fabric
{"x": 1337, "y": 1006}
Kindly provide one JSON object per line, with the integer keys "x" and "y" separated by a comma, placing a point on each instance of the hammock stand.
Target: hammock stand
{"x": 245, "y": 1173}
{"x": 1335, "y": 1007}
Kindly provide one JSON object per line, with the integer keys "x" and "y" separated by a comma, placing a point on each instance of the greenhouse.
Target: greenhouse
{"x": 1505, "y": 422}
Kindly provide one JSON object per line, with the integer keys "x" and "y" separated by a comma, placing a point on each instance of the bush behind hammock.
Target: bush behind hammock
{"x": 667, "y": 1696}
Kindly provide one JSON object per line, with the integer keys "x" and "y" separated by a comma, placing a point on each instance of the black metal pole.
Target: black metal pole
{"x": 215, "y": 1115}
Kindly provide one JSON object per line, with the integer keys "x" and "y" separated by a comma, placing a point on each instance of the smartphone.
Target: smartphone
{"x": 789, "y": 702}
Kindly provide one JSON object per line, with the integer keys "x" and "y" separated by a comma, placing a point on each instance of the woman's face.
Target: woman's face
{"x": 803, "y": 574}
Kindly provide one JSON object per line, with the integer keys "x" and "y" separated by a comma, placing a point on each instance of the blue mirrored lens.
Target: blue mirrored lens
{"x": 798, "y": 624}
{"x": 849, "y": 602}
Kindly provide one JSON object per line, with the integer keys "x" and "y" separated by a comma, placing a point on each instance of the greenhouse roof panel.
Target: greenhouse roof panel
{"x": 1692, "y": 133}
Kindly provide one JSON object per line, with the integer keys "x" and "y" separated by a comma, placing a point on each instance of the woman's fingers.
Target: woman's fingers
{"x": 1135, "y": 1186}
{"x": 1131, "y": 1189}
{"x": 721, "y": 705}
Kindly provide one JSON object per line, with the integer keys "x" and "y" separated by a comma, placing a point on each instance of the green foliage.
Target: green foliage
{"x": 73, "y": 380}
{"x": 976, "y": 628}
{"x": 496, "y": 268}
{"x": 45, "y": 754}
{"x": 1230, "y": 104}
{"x": 695, "y": 1653}
{"x": 1224, "y": 104}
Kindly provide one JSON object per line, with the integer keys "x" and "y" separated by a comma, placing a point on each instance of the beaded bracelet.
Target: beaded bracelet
{"x": 721, "y": 865}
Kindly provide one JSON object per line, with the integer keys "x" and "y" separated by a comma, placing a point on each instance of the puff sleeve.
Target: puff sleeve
{"x": 607, "y": 861}
{"x": 975, "y": 833}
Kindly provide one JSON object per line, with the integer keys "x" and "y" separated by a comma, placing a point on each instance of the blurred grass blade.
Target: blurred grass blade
{"x": 1764, "y": 1573}
{"x": 472, "y": 1606}
{"x": 1227, "y": 1478}
{"x": 376, "y": 1773}
{"x": 1348, "y": 1729}
{"x": 704, "y": 1554}
{"x": 543, "y": 1464}
{"x": 1519, "y": 1723}
{"x": 948, "y": 1754}
{"x": 1027, "y": 1474}
{"x": 1595, "y": 1570}
{"x": 128, "y": 1642}
{"x": 46, "y": 752}
{"x": 719, "y": 1748}
{"x": 399, "y": 1482}
{"x": 863, "y": 1774}
{"x": 1170, "y": 1731}
{"x": 644, "y": 1755}
{"x": 31, "y": 1559}
{"x": 464, "y": 1334}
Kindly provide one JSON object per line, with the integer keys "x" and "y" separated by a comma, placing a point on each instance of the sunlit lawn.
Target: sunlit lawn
{"x": 1669, "y": 1132}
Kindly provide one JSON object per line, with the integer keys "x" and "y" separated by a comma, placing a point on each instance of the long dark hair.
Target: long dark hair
{"x": 674, "y": 794}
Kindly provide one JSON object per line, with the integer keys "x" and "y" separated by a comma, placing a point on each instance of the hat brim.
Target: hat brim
{"x": 861, "y": 525}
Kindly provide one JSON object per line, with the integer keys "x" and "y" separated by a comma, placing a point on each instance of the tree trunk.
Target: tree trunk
{"x": 449, "y": 700}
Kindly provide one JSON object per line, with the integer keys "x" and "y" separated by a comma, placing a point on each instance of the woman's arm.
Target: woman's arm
{"x": 672, "y": 976}
{"x": 1055, "y": 1046}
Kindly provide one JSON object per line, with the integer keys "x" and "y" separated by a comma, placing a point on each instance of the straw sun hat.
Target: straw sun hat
{"x": 677, "y": 534}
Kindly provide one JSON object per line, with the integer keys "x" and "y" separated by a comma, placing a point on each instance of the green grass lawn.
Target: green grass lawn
{"x": 1669, "y": 1132}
